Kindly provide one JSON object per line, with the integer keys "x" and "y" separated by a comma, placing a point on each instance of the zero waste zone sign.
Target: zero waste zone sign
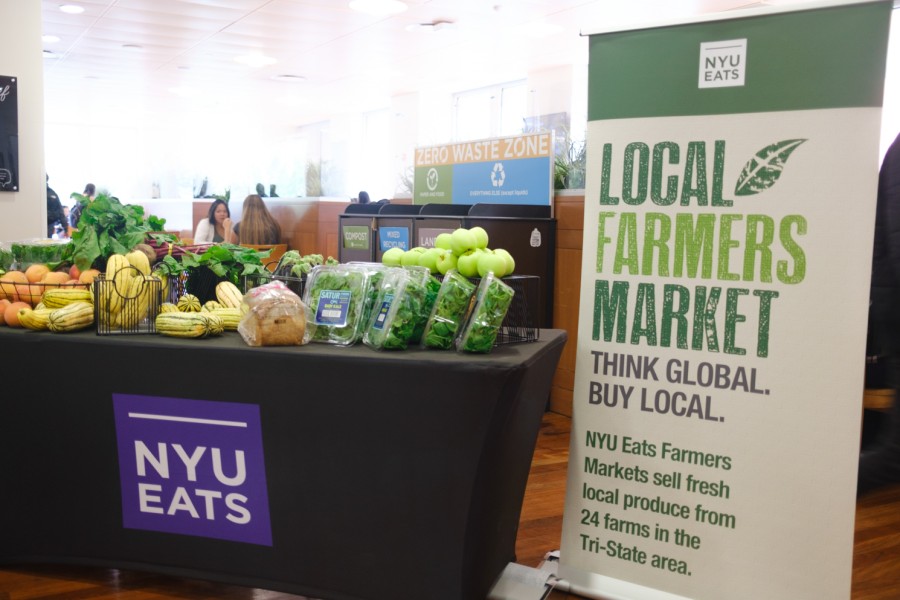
{"x": 192, "y": 467}
{"x": 510, "y": 170}
{"x": 713, "y": 413}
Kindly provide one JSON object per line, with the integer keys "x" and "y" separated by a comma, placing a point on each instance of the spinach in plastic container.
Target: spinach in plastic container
{"x": 336, "y": 295}
{"x": 449, "y": 311}
{"x": 396, "y": 311}
{"x": 6, "y": 258}
{"x": 375, "y": 273}
{"x": 432, "y": 286}
{"x": 492, "y": 301}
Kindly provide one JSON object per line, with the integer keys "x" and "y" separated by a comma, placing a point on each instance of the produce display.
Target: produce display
{"x": 492, "y": 301}
{"x": 449, "y": 312}
{"x": 336, "y": 295}
{"x": 465, "y": 250}
{"x": 383, "y": 306}
{"x": 400, "y": 303}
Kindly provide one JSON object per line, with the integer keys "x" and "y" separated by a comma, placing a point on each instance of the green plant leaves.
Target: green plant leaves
{"x": 763, "y": 170}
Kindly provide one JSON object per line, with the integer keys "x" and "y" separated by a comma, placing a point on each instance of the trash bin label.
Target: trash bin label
{"x": 393, "y": 237}
{"x": 356, "y": 237}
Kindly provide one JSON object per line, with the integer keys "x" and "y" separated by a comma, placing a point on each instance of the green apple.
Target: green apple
{"x": 481, "y": 237}
{"x": 446, "y": 260}
{"x": 411, "y": 257}
{"x": 489, "y": 261}
{"x": 392, "y": 257}
{"x": 510, "y": 262}
{"x": 462, "y": 240}
{"x": 443, "y": 241}
{"x": 467, "y": 263}
{"x": 428, "y": 259}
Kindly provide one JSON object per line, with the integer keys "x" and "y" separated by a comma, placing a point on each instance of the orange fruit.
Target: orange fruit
{"x": 31, "y": 293}
{"x": 55, "y": 277}
{"x": 11, "y": 313}
{"x": 10, "y": 282}
{"x": 36, "y": 272}
{"x": 88, "y": 276}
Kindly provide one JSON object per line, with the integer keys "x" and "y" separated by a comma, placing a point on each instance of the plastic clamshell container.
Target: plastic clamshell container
{"x": 376, "y": 273}
{"x": 6, "y": 256}
{"x": 336, "y": 295}
{"x": 492, "y": 301}
{"x": 432, "y": 286}
{"x": 449, "y": 312}
{"x": 37, "y": 251}
{"x": 396, "y": 311}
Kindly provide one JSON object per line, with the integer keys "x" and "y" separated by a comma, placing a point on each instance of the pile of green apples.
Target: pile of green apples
{"x": 465, "y": 250}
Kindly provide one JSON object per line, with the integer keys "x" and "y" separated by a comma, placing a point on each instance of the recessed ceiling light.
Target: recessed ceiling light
{"x": 378, "y": 7}
{"x": 132, "y": 46}
{"x": 289, "y": 78}
{"x": 49, "y": 39}
{"x": 72, "y": 9}
{"x": 255, "y": 60}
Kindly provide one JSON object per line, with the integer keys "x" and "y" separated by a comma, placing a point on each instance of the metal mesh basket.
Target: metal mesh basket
{"x": 119, "y": 311}
{"x": 523, "y": 317}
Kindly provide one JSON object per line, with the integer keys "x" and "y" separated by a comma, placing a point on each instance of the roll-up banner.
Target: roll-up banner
{"x": 729, "y": 211}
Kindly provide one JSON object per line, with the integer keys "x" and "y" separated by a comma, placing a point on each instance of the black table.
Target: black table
{"x": 331, "y": 472}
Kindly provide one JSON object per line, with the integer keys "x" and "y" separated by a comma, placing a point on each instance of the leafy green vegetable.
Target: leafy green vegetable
{"x": 449, "y": 312}
{"x": 293, "y": 264}
{"x": 6, "y": 259}
{"x": 432, "y": 287}
{"x": 398, "y": 310}
{"x": 336, "y": 295}
{"x": 227, "y": 261}
{"x": 107, "y": 227}
{"x": 48, "y": 252}
{"x": 493, "y": 298}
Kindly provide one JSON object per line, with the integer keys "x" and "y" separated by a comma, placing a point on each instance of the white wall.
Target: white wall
{"x": 23, "y": 214}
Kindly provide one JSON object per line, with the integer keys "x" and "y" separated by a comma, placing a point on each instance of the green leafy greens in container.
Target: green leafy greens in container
{"x": 39, "y": 251}
{"x": 336, "y": 295}
{"x": 449, "y": 312}
{"x": 492, "y": 301}
{"x": 396, "y": 311}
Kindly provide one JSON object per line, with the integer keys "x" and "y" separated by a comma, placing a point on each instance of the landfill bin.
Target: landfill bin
{"x": 528, "y": 232}
{"x": 357, "y": 225}
{"x": 435, "y": 219}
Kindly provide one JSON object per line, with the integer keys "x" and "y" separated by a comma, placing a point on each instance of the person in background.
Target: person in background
{"x": 880, "y": 466}
{"x": 364, "y": 198}
{"x": 257, "y": 225}
{"x": 217, "y": 227}
{"x": 90, "y": 190}
{"x": 56, "y": 216}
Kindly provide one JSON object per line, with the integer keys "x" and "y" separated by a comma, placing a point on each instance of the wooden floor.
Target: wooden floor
{"x": 876, "y": 558}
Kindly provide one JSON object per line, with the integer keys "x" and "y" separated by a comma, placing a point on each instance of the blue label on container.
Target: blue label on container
{"x": 382, "y": 314}
{"x": 333, "y": 307}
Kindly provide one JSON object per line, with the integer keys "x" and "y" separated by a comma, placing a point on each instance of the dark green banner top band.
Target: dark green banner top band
{"x": 830, "y": 57}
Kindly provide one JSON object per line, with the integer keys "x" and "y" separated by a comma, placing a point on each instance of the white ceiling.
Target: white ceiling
{"x": 145, "y": 59}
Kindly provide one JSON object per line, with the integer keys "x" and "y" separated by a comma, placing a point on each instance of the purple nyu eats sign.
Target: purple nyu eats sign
{"x": 192, "y": 467}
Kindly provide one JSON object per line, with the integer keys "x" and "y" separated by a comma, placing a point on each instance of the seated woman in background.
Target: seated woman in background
{"x": 257, "y": 225}
{"x": 217, "y": 227}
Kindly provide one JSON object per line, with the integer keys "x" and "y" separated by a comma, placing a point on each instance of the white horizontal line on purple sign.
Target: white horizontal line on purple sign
{"x": 186, "y": 419}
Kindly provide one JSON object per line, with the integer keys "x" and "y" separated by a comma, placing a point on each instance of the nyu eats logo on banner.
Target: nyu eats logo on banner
{"x": 192, "y": 467}
{"x": 723, "y": 64}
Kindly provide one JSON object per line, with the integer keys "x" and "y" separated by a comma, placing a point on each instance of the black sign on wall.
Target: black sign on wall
{"x": 9, "y": 135}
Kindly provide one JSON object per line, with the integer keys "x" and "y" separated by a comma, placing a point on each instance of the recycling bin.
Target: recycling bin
{"x": 394, "y": 225}
{"x": 435, "y": 219}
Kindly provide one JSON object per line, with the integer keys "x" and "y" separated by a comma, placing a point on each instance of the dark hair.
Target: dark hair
{"x": 89, "y": 190}
{"x": 257, "y": 225}
{"x": 364, "y": 198}
{"x": 212, "y": 211}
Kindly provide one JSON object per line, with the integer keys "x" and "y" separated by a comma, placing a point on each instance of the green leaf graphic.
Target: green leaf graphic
{"x": 763, "y": 170}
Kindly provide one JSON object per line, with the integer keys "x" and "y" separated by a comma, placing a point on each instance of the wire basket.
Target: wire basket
{"x": 32, "y": 293}
{"x": 201, "y": 282}
{"x": 295, "y": 284}
{"x": 119, "y": 311}
{"x": 521, "y": 323}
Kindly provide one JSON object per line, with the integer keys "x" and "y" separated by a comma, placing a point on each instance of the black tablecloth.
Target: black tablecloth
{"x": 388, "y": 475}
